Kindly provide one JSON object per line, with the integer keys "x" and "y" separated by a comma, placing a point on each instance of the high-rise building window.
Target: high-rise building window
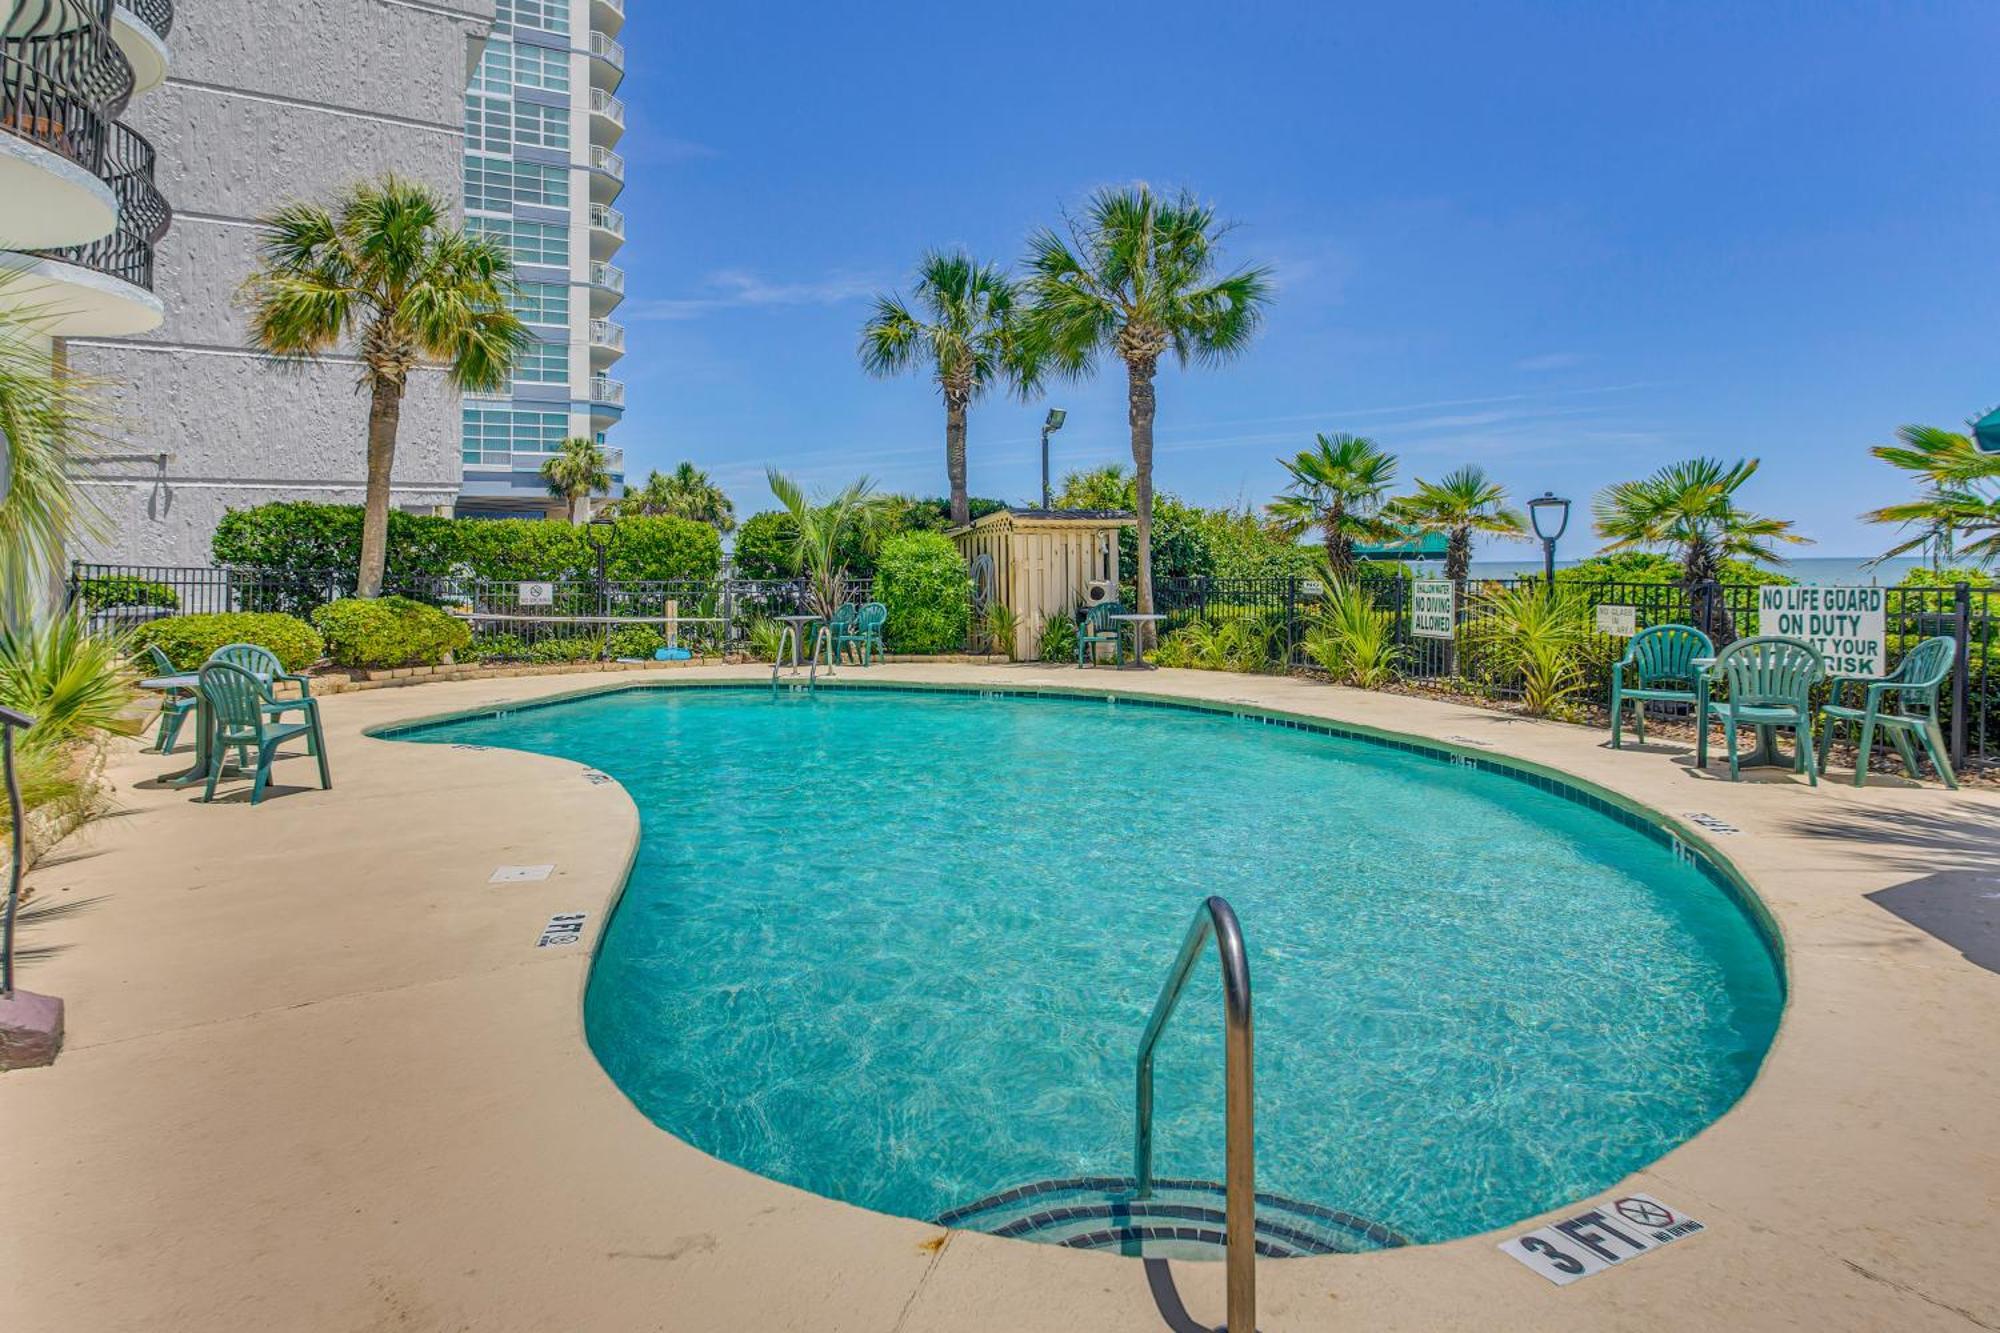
{"x": 537, "y": 126}
{"x": 504, "y": 67}
{"x": 496, "y": 184}
{"x": 487, "y": 127}
{"x": 493, "y": 433}
{"x": 548, "y": 15}
{"x": 543, "y": 363}
{"x": 527, "y": 242}
{"x": 542, "y": 303}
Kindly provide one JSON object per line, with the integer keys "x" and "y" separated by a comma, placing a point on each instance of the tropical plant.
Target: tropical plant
{"x": 70, "y": 680}
{"x": 1351, "y": 639}
{"x": 766, "y": 637}
{"x": 52, "y": 423}
{"x": 1057, "y": 641}
{"x": 1336, "y": 487}
{"x": 386, "y": 271}
{"x": 1137, "y": 275}
{"x": 1537, "y": 636}
{"x": 1690, "y": 508}
{"x": 964, "y": 333}
{"x": 577, "y": 470}
{"x": 1107, "y": 486}
{"x": 1216, "y": 645}
{"x": 1958, "y": 496}
{"x": 1464, "y": 502}
{"x": 1001, "y": 626}
{"x": 821, "y": 529}
{"x": 687, "y": 493}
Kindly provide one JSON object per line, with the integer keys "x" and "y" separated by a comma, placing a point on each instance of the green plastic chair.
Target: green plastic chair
{"x": 262, "y": 662}
{"x": 238, "y": 707}
{"x": 1661, "y": 662}
{"x": 865, "y": 635}
{"x": 1770, "y": 685}
{"x": 840, "y": 627}
{"x": 1914, "y": 684}
{"x": 175, "y": 705}
{"x": 1096, "y": 626}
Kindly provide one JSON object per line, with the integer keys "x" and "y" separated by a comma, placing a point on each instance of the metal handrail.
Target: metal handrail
{"x": 9, "y": 720}
{"x": 791, "y": 636}
{"x": 825, "y": 636}
{"x": 1214, "y": 917}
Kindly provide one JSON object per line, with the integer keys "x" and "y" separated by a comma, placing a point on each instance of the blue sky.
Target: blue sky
{"x": 1569, "y": 242}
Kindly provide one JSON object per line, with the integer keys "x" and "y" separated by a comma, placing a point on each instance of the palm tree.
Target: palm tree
{"x": 822, "y": 529}
{"x": 1690, "y": 508}
{"x": 686, "y": 493}
{"x": 1136, "y": 275}
{"x": 1106, "y": 487}
{"x": 1956, "y": 498}
{"x": 1337, "y": 487}
{"x": 1465, "y": 502}
{"x": 966, "y": 337}
{"x": 386, "y": 271}
{"x": 577, "y": 470}
{"x": 51, "y": 423}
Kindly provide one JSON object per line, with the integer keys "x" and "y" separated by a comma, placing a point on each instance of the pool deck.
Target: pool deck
{"x": 318, "y": 1076}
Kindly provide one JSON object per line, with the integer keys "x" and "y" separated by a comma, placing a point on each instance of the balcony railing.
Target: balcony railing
{"x": 607, "y": 50}
{"x": 63, "y": 81}
{"x": 607, "y": 333}
{"x": 155, "y": 14}
{"x": 607, "y": 106}
{"x": 143, "y": 215}
{"x": 608, "y": 276}
{"x": 604, "y": 217}
{"x": 604, "y": 389}
{"x": 608, "y": 162}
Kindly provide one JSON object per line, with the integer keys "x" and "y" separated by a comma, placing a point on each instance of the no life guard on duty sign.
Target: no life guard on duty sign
{"x": 1600, "y": 1238}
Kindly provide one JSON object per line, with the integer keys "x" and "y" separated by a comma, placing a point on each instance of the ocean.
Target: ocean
{"x": 1806, "y": 569}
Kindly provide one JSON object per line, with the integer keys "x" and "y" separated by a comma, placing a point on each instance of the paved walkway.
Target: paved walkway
{"x": 319, "y": 1079}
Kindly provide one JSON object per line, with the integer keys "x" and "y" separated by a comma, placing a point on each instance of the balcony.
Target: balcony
{"x": 606, "y": 392}
{"x": 607, "y": 174}
{"x": 607, "y": 288}
{"x": 607, "y": 15}
{"x": 63, "y": 82}
{"x": 607, "y": 230}
{"x": 105, "y": 287}
{"x": 607, "y": 63}
{"x": 140, "y": 28}
{"x": 607, "y": 342}
{"x": 607, "y": 116}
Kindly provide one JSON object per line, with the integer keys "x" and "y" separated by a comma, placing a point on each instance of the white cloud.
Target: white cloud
{"x": 737, "y": 289}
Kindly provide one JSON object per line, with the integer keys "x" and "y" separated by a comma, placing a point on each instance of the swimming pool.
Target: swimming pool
{"x": 898, "y": 947}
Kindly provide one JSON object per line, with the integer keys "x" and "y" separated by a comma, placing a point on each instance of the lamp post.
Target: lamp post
{"x": 1050, "y": 425}
{"x": 601, "y": 529}
{"x": 1550, "y": 515}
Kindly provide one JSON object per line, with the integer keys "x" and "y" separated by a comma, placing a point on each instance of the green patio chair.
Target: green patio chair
{"x": 238, "y": 710}
{"x": 1914, "y": 685}
{"x": 1770, "y": 684}
{"x": 865, "y": 633}
{"x": 840, "y": 627}
{"x": 1096, "y": 626}
{"x": 261, "y": 662}
{"x": 175, "y": 705}
{"x": 1661, "y": 662}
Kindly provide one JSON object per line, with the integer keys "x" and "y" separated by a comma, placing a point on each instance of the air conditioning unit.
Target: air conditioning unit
{"x": 1100, "y": 591}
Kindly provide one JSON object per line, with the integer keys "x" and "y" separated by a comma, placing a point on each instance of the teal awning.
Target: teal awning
{"x": 1430, "y": 546}
{"x": 1986, "y": 432}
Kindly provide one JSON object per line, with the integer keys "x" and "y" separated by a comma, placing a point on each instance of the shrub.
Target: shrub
{"x": 571, "y": 648}
{"x": 188, "y": 640}
{"x": 498, "y": 648}
{"x": 125, "y": 590}
{"x": 70, "y": 680}
{"x": 1227, "y": 645}
{"x": 1000, "y": 628}
{"x": 1057, "y": 642}
{"x": 1922, "y": 576}
{"x": 766, "y": 636}
{"x": 384, "y": 632}
{"x": 1352, "y": 640}
{"x": 1522, "y": 633}
{"x": 921, "y": 578}
{"x": 640, "y": 641}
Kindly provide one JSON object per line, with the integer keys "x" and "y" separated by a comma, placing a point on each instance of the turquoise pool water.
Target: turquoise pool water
{"x": 898, "y": 948}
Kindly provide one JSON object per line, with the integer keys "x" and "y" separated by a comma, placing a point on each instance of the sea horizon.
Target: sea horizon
{"x": 1859, "y": 570}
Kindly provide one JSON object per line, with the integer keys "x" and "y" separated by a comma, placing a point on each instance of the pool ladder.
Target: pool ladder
{"x": 791, "y": 637}
{"x": 1214, "y": 917}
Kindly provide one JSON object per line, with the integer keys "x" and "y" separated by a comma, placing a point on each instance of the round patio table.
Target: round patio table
{"x": 1136, "y": 620}
{"x": 799, "y": 626}
{"x": 190, "y": 682}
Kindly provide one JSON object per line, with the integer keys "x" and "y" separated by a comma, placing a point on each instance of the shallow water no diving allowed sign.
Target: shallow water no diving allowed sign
{"x": 1600, "y": 1238}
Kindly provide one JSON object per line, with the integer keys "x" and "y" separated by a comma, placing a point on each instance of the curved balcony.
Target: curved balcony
{"x": 607, "y": 230}
{"x": 607, "y": 174}
{"x": 607, "y": 396}
{"x": 607, "y": 288}
{"x": 105, "y": 287}
{"x": 63, "y": 82}
{"x": 607, "y": 15}
{"x": 140, "y": 28}
{"x": 607, "y": 116}
{"x": 607, "y": 340}
{"x": 607, "y": 62}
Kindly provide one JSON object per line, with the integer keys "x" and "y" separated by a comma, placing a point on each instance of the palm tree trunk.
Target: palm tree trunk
{"x": 1339, "y": 553}
{"x": 385, "y": 413}
{"x": 1140, "y": 410}
{"x": 1458, "y": 555}
{"x": 1699, "y": 568}
{"x": 954, "y": 456}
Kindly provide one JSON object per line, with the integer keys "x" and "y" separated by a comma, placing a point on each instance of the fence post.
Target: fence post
{"x": 1961, "y": 679}
{"x": 1291, "y": 619}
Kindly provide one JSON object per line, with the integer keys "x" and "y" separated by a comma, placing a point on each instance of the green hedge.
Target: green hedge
{"x": 298, "y": 539}
{"x": 188, "y": 640}
{"x": 387, "y": 632}
{"x": 921, "y": 578}
{"x": 125, "y": 590}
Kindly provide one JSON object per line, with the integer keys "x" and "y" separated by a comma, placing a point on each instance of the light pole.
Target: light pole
{"x": 1550, "y": 514}
{"x": 1050, "y": 425}
{"x": 601, "y": 529}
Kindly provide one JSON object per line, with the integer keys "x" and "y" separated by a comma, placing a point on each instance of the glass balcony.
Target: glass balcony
{"x": 605, "y": 390}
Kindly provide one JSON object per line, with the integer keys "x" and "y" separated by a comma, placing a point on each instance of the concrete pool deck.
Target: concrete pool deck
{"x": 319, "y": 1077}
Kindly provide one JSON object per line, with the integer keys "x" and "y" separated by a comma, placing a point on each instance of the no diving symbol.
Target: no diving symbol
{"x": 1644, "y": 1213}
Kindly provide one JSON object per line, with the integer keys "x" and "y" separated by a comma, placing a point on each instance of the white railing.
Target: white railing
{"x": 608, "y": 276}
{"x": 608, "y": 162}
{"x": 607, "y": 333}
{"x": 606, "y": 218}
{"x": 607, "y": 50}
{"x": 607, "y": 106}
{"x": 604, "y": 389}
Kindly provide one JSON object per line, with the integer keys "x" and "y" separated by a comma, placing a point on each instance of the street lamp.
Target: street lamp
{"x": 1050, "y": 425}
{"x": 1550, "y": 515}
{"x": 602, "y": 528}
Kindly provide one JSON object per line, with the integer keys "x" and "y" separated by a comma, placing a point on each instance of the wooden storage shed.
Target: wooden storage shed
{"x": 1040, "y": 561}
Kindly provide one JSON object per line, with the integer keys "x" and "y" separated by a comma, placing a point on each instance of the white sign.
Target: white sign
{"x": 1845, "y": 624}
{"x": 563, "y": 928}
{"x": 1620, "y": 621}
{"x": 1433, "y": 608}
{"x": 1600, "y": 1238}
{"x": 538, "y": 594}
{"x": 519, "y": 874}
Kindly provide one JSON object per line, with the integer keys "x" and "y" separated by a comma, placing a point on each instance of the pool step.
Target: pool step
{"x": 1183, "y": 1219}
